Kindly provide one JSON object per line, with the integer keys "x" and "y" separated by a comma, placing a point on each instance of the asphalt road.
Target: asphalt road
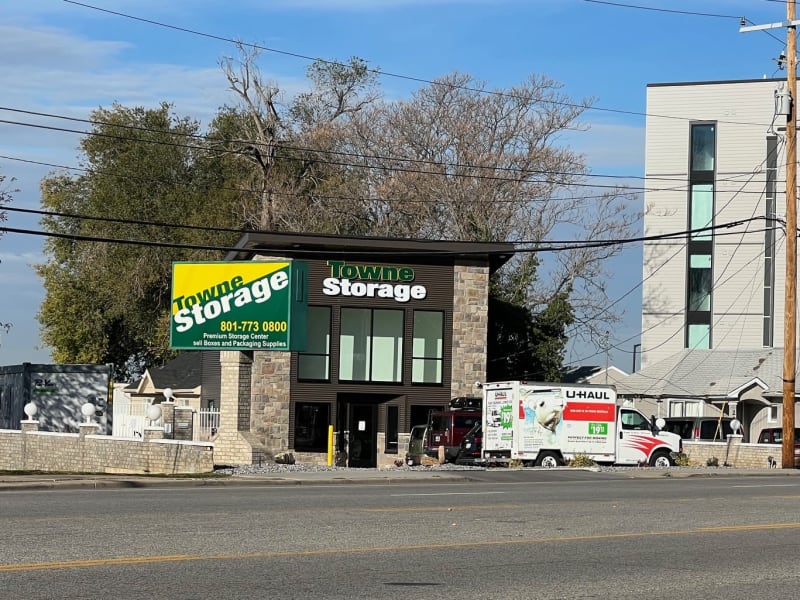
{"x": 548, "y": 536}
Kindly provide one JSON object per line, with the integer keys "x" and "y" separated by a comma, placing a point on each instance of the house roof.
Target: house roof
{"x": 593, "y": 374}
{"x": 303, "y": 245}
{"x": 708, "y": 374}
{"x": 184, "y": 372}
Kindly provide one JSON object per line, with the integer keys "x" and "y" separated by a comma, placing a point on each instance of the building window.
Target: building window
{"x": 314, "y": 363}
{"x": 773, "y": 412}
{"x": 699, "y": 267}
{"x": 427, "y": 347}
{"x": 684, "y": 408}
{"x": 700, "y": 282}
{"x": 703, "y": 147}
{"x": 371, "y": 345}
{"x": 392, "y": 426}
{"x": 699, "y": 337}
{"x": 311, "y": 420}
{"x": 702, "y": 215}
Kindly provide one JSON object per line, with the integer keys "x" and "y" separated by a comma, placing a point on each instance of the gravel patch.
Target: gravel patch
{"x": 273, "y": 468}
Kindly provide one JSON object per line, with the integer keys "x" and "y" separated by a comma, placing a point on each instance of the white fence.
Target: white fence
{"x": 130, "y": 418}
{"x": 207, "y": 424}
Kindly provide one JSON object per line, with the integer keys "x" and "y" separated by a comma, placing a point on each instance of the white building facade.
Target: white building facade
{"x": 715, "y": 155}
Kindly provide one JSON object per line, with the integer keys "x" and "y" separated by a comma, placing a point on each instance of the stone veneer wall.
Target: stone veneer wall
{"x": 733, "y": 453}
{"x": 31, "y": 450}
{"x": 470, "y": 328}
{"x": 271, "y": 381}
{"x": 236, "y": 443}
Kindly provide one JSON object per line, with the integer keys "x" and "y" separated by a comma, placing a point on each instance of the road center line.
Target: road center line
{"x": 139, "y": 560}
{"x": 446, "y": 494}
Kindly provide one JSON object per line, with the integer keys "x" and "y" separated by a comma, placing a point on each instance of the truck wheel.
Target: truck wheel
{"x": 661, "y": 460}
{"x": 548, "y": 460}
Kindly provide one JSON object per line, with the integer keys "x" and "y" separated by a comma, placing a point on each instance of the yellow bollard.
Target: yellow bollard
{"x": 330, "y": 445}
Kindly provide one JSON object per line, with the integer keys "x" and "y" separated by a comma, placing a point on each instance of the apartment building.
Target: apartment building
{"x": 715, "y": 167}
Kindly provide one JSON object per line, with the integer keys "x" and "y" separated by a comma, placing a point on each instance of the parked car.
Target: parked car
{"x": 700, "y": 429}
{"x": 470, "y": 451}
{"x": 774, "y": 435}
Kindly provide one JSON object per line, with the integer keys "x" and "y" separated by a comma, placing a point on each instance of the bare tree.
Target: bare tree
{"x": 294, "y": 150}
{"x": 262, "y": 128}
{"x": 461, "y": 161}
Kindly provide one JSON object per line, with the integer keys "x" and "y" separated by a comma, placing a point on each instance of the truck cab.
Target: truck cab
{"x": 444, "y": 428}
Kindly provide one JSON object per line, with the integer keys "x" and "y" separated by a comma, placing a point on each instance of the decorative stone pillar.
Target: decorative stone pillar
{"x": 153, "y": 433}
{"x": 85, "y": 429}
{"x": 470, "y": 328}
{"x": 271, "y": 399}
{"x": 168, "y": 418}
{"x": 732, "y": 451}
{"x": 183, "y": 419}
{"x": 236, "y": 444}
{"x": 28, "y": 425}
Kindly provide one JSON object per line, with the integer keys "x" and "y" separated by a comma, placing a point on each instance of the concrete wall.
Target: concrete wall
{"x": 31, "y": 450}
{"x": 733, "y": 453}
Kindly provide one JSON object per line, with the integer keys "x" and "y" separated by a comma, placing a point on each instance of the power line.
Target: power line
{"x": 315, "y": 196}
{"x": 396, "y": 169}
{"x": 387, "y": 73}
{"x": 685, "y": 12}
{"x": 537, "y": 246}
{"x": 291, "y": 147}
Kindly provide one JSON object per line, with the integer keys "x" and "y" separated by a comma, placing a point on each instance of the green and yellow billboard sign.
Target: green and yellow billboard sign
{"x": 254, "y": 305}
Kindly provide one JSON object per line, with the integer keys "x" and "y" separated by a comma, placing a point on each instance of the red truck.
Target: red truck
{"x": 444, "y": 428}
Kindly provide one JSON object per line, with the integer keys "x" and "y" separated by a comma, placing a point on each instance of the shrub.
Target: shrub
{"x": 515, "y": 463}
{"x": 712, "y": 462}
{"x": 681, "y": 459}
{"x": 581, "y": 460}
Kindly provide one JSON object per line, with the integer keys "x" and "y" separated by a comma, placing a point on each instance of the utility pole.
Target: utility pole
{"x": 790, "y": 302}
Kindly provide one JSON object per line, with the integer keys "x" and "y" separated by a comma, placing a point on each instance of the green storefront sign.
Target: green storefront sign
{"x": 254, "y": 305}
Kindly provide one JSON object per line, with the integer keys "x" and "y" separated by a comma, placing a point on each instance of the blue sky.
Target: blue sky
{"x": 67, "y": 59}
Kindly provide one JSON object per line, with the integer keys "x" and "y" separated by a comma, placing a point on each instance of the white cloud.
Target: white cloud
{"x": 610, "y": 146}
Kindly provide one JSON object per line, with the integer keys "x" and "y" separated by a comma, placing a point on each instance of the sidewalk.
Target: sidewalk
{"x": 343, "y": 476}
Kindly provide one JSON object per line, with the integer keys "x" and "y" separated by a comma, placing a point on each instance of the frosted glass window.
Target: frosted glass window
{"x": 428, "y": 347}
{"x": 355, "y": 344}
{"x": 314, "y": 363}
{"x": 371, "y": 345}
{"x": 699, "y": 336}
{"x": 387, "y": 346}
{"x": 702, "y": 210}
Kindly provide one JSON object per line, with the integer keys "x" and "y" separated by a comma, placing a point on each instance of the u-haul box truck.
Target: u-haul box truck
{"x": 547, "y": 424}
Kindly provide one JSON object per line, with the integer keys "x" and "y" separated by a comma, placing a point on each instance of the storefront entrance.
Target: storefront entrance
{"x": 362, "y": 435}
